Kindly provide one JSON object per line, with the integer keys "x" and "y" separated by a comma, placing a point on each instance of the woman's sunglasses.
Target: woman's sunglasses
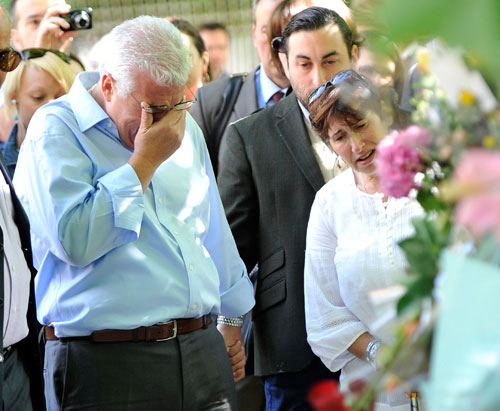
{"x": 10, "y": 58}
{"x": 335, "y": 80}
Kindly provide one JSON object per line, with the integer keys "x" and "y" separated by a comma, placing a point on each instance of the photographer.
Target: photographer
{"x": 38, "y": 23}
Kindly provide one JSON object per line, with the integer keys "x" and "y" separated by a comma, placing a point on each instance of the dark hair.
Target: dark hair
{"x": 188, "y": 29}
{"x": 348, "y": 102}
{"x": 282, "y": 15}
{"x": 212, "y": 26}
{"x": 315, "y": 18}
{"x": 277, "y": 22}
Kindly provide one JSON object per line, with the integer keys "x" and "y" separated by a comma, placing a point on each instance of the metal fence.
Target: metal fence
{"x": 235, "y": 14}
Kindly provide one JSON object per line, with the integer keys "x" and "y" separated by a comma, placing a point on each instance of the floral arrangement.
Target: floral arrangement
{"x": 449, "y": 160}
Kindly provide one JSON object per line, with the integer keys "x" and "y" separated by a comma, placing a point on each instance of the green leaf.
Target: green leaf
{"x": 429, "y": 201}
{"x": 419, "y": 256}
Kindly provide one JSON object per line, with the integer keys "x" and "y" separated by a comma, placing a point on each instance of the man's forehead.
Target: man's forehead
{"x": 28, "y": 9}
{"x": 327, "y": 36}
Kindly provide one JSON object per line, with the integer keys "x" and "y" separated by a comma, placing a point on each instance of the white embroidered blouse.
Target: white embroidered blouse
{"x": 351, "y": 250}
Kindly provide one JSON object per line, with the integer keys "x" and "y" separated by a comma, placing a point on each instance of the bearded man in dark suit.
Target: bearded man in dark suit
{"x": 272, "y": 164}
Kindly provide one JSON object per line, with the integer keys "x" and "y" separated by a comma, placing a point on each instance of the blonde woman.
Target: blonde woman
{"x": 41, "y": 76}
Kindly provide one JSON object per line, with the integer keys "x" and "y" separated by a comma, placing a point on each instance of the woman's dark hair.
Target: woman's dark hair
{"x": 188, "y": 29}
{"x": 348, "y": 101}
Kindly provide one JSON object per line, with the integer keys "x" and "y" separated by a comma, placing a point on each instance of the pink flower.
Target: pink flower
{"x": 416, "y": 137}
{"x": 398, "y": 161}
{"x": 478, "y": 173}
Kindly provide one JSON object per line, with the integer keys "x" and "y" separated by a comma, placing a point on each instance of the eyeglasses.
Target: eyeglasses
{"x": 183, "y": 105}
{"x": 35, "y": 53}
{"x": 9, "y": 59}
{"x": 335, "y": 80}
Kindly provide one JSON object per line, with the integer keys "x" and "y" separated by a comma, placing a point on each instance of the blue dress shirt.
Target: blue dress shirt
{"x": 109, "y": 256}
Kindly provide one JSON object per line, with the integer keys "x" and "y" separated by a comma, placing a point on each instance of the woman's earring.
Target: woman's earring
{"x": 16, "y": 117}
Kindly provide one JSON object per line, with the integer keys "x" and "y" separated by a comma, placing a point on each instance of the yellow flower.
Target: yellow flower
{"x": 489, "y": 142}
{"x": 423, "y": 61}
{"x": 467, "y": 98}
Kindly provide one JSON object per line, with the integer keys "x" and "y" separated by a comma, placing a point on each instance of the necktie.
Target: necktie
{"x": 275, "y": 98}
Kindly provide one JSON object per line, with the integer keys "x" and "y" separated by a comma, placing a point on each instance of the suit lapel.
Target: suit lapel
{"x": 248, "y": 103}
{"x": 292, "y": 130}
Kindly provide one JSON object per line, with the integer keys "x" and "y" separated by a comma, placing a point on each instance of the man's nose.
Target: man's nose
{"x": 320, "y": 76}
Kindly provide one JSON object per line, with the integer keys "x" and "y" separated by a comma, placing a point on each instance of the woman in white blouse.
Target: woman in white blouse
{"x": 352, "y": 236}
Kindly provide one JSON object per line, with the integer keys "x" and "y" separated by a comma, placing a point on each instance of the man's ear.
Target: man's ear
{"x": 354, "y": 56}
{"x": 284, "y": 63}
{"x": 107, "y": 87}
{"x": 253, "y": 35}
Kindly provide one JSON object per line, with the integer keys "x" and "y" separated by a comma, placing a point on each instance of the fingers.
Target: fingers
{"x": 50, "y": 33}
{"x": 146, "y": 118}
{"x": 66, "y": 41}
{"x": 237, "y": 358}
{"x": 239, "y": 375}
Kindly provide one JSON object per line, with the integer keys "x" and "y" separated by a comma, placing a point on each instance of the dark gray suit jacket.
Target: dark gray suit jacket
{"x": 268, "y": 178}
{"x": 210, "y": 99}
{"x": 29, "y": 349}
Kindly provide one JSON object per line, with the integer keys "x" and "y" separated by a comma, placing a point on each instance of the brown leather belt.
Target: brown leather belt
{"x": 157, "y": 332}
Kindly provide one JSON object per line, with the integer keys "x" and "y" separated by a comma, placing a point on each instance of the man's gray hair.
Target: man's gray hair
{"x": 148, "y": 45}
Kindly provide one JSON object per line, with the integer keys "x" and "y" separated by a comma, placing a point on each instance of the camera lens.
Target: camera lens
{"x": 82, "y": 20}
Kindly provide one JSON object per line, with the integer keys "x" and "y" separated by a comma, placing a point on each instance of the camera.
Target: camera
{"x": 78, "y": 19}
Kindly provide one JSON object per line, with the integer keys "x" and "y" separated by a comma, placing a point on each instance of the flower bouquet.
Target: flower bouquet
{"x": 449, "y": 163}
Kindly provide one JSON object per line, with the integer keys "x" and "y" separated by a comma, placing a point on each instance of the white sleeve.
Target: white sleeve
{"x": 331, "y": 326}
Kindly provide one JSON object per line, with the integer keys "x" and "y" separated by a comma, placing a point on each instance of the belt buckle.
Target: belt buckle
{"x": 175, "y": 330}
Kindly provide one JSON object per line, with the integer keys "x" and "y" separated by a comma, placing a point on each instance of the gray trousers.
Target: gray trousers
{"x": 15, "y": 384}
{"x": 190, "y": 372}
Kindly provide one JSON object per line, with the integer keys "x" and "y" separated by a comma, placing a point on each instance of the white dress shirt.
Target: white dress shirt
{"x": 16, "y": 273}
{"x": 352, "y": 249}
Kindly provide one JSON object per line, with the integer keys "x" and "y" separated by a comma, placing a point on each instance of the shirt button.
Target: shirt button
{"x": 160, "y": 200}
{"x": 175, "y": 232}
{"x": 191, "y": 267}
{"x": 194, "y": 306}
{"x": 110, "y": 124}
{"x": 13, "y": 268}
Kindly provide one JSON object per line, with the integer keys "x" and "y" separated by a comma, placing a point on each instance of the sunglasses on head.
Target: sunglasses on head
{"x": 9, "y": 59}
{"x": 277, "y": 45}
{"x": 335, "y": 80}
{"x": 35, "y": 53}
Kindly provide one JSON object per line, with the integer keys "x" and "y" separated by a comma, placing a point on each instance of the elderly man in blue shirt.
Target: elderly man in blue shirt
{"x": 134, "y": 252}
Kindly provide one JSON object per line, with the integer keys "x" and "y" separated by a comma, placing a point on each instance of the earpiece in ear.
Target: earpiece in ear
{"x": 14, "y": 101}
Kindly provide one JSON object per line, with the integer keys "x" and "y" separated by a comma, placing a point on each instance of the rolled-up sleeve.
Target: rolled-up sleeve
{"x": 331, "y": 326}
{"x": 86, "y": 217}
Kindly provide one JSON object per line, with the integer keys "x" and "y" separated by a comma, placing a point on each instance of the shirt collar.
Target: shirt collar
{"x": 86, "y": 110}
{"x": 268, "y": 87}
{"x": 305, "y": 112}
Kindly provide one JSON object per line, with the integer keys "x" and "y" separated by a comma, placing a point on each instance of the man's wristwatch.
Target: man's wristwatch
{"x": 232, "y": 321}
